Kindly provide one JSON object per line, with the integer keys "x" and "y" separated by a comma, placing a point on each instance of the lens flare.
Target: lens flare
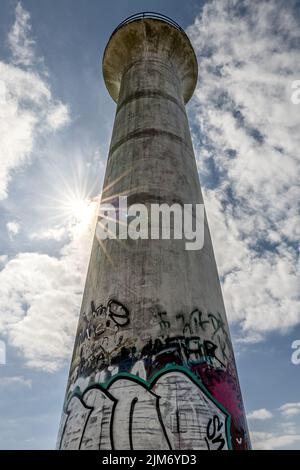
{"x": 77, "y": 208}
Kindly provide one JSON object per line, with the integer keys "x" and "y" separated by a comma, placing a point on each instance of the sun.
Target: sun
{"x": 78, "y": 208}
{"x": 79, "y": 212}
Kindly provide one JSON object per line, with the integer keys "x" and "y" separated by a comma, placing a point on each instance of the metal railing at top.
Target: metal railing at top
{"x": 151, "y": 15}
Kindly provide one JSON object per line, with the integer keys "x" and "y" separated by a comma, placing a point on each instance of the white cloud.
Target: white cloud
{"x": 13, "y": 381}
{"x": 290, "y": 409}
{"x": 58, "y": 116}
{"x": 3, "y": 259}
{"x": 28, "y": 110}
{"x": 282, "y": 434}
{"x": 260, "y": 414}
{"x": 270, "y": 441}
{"x": 288, "y": 427}
{"x": 40, "y": 294}
{"x": 52, "y": 233}
{"x": 19, "y": 40}
{"x": 13, "y": 228}
{"x": 40, "y": 298}
{"x": 248, "y": 125}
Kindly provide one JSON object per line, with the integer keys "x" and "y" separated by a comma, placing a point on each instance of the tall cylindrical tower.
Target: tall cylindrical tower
{"x": 153, "y": 365}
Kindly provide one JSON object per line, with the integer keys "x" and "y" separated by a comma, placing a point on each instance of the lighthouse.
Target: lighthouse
{"x": 153, "y": 364}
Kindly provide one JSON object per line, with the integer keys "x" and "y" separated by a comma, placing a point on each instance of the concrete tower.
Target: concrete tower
{"x": 153, "y": 365}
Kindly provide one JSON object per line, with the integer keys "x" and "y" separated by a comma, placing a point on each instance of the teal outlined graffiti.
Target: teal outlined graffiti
{"x": 171, "y": 411}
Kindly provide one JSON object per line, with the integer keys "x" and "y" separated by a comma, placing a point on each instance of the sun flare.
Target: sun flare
{"x": 78, "y": 208}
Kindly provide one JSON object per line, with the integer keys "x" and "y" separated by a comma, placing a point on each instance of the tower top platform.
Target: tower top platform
{"x": 147, "y": 36}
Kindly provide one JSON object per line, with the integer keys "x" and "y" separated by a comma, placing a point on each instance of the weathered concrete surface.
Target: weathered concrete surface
{"x": 143, "y": 39}
{"x": 150, "y": 306}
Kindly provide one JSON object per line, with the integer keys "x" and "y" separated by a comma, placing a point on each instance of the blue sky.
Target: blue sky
{"x": 55, "y": 124}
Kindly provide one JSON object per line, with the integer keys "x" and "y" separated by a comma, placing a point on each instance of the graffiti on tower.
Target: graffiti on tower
{"x": 177, "y": 380}
{"x": 173, "y": 412}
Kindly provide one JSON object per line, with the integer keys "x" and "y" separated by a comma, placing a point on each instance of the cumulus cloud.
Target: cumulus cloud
{"x": 40, "y": 294}
{"x": 28, "y": 109}
{"x": 260, "y": 414}
{"x": 40, "y": 298}
{"x": 288, "y": 427}
{"x": 14, "y": 381}
{"x": 290, "y": 409}
{"x": 53, "y": 233}
{"x": 58, "y": 115}
{"x": 3, "y": 259}
{"x": 247, "y": 147}
{"x": 284, "y": 432}
{"x": 13, "y": 228}
{"x": 269, "y": 441}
